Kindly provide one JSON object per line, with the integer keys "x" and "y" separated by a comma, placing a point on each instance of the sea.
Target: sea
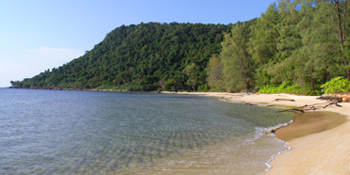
{"x": 84, "y": 132}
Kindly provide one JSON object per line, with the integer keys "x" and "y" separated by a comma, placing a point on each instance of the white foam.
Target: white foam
{"x": 285, "y": 145}
{"x": 273, "y": 156}
{"x": 260, "y": 131}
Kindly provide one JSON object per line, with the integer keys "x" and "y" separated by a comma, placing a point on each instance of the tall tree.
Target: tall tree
{"x": 192, "y": 71}
{"x": 214, "y": 71}
{"x": 238, "y": 65}
{"x": 318, "y": 53}
{"x": 282, "y": 67}
{"x": 263, "y": 42}
{"x": 341, "y": 14}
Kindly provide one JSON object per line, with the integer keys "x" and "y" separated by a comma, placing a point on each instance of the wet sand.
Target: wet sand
{"x": 318, "y": 145}
{"x": 310, "y": 123}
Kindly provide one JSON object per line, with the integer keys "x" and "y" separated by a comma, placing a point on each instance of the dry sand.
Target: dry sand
{"x": 326, "y": 152}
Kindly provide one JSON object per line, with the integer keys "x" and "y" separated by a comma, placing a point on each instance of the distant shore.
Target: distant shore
{"x": 95, "y": 90}
{"x": 320, "y": 141}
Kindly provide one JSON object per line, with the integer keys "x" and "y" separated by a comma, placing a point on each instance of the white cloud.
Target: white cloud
{"x": 26, "y": 64}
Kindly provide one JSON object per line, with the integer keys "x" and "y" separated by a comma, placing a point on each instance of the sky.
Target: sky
{"x": 36, "y": 35}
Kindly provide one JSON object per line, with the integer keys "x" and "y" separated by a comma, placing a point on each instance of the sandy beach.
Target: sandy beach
{"x": 324, "y": 151}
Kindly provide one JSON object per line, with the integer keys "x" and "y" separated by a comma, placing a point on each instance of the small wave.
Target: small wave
{"x": 260, "y": 131}
{"x": 273, "y": 156}
{"x": 268, "y": 130}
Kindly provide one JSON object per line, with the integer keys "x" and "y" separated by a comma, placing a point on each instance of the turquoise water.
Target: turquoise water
{"x": 80, "y": 132}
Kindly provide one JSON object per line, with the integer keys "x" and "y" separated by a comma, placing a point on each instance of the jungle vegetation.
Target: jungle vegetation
{"x": 294, "y": 47}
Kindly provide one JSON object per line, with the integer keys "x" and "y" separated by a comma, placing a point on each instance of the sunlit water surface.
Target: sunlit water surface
{"x": 79, "y": 132}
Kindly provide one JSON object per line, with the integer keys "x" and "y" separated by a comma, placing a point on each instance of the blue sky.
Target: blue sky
{"x": 36, "y": 35}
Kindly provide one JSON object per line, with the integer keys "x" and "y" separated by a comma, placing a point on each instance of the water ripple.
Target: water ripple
{"x": 76, "y": 132}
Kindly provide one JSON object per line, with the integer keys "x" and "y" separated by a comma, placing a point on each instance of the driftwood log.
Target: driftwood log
{"x": 330, "y": 98}
{"x": 284, "y": 99}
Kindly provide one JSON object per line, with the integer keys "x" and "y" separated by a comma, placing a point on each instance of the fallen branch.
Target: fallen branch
{"x": 293, "y": 109}
{"x": 254, "y": 91}
{"x": 307, "y": 107}
{"x": 332, "y": 103}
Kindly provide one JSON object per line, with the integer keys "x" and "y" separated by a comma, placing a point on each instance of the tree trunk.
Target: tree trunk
{"x": 312, "y": 80}
{"x": 247, "y": 87}
{"x": 324, "y": 80}
{"x": 342, "y": 32}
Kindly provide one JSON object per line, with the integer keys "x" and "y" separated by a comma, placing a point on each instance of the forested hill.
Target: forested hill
{"x": 294, "y": 47}
{"x": 148, "y": 56}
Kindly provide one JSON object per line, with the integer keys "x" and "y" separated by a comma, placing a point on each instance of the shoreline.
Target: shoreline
{"x": 322, "y": 151}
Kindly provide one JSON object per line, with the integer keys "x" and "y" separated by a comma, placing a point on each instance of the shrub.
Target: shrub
{"x": 285, "y": 87}
{"x": 288, "y": 88}
{"x": 336, "y": 85}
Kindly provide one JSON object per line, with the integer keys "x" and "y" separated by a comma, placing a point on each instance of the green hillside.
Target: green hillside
{"x": 148, "y": 56}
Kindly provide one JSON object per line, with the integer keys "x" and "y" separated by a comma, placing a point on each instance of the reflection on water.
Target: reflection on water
{"x": 76, "y": 132}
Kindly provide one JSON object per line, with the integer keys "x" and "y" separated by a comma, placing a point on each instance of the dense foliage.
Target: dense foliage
{"x": 336, "y": 85}
{"x": 294, "y": 47}
{"x": 148, "y": 56}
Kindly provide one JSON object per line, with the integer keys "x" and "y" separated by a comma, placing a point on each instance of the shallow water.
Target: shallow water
{"x": 79, "y": 132}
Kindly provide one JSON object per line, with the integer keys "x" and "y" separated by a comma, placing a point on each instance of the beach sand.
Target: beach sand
{"x": 321, "y": 149}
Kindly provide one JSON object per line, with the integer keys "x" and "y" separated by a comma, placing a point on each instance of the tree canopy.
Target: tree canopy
{"x": 294, "y": 46}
